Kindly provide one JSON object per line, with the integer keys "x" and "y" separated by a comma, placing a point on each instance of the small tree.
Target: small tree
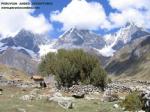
{"x": 73, "y": 66}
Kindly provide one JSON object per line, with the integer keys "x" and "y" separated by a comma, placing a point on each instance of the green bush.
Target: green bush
{"x": 109, "y": 80}
{"x": 73, "y": 66}
{"x": 98, "y": 76}
{"x": 132, "y": 102}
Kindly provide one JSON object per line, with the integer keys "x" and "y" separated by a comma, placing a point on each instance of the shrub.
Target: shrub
{"x": 132, "y": 102}
{"x": 109, "y": 80}
{"x": 73, "y": 66}
{"x": 98, "y": 77}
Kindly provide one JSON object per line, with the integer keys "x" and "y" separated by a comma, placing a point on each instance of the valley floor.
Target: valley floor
{"x": 10, "y": 102}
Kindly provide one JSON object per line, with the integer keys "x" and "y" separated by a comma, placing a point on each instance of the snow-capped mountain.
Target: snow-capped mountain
{"x": 25, "y": 42}
{"x": 22, "y": 51}
{"x": 75, "y": 38}
{"x": 35, "y": 45}
{"x": 125, "y": 35}
{"x": 105, "y": 45}
{"x": 29, "y": 46}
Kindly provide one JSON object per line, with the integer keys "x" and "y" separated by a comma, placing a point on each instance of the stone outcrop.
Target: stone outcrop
{"x": 128, "y": 85}
{"x": 34, "y": 95}
{"x": 81, "y": 89}
{"x": 65, "y": 102}
{"x": 110, "y": 96}
{"x": 146, "y": 99}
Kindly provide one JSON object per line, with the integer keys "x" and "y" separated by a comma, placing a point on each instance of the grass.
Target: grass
{"x": 10, "y": 73}
{"x": 10, "y": 102}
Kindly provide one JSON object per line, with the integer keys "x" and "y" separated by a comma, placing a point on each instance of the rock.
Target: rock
{"x": 21, "y": 110}
{"x": 43, "y": 84}
{"x": 83, "y": 89}
{"x": 87, "y": 97}
{"x": 116, "y": 106}
{"x": 110, "y": 96}
{"x": 59, "y": 99}
{"x": 41, "y": 97}
{"x": 122, "y": 98}
{"x": 78, "y": 95}
{"x": 1, "y": 91}
{"x": 146, "y": 100}
{"x": 66, "y": 104}
{"x": 57, "y": 94}
{"x": 141, "y": 111}
{"x": 27, "y": 97}
{"x": 35, "y": 92}
{"x": 24, "y": 90}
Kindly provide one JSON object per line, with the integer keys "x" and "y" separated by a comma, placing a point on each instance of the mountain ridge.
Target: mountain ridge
{"x": 32, "y": 46}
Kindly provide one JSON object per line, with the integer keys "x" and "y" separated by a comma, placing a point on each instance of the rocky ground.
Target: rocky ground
{"x": 16, "y": 96}
{"x": 16, "y": 99}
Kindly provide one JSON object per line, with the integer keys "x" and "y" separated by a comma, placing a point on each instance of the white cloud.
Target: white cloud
{"x": 81, "y": 14}
{"x": 125, "y": 4}
{"x": 12, "y": 21}
{"x": 137, "y": 11}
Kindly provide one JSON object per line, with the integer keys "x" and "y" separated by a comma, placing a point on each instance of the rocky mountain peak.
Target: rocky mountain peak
{"x": 125, "y": 35}
{"x": 79, "y": 38}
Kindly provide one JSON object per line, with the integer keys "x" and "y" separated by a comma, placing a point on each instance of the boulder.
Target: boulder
{"x": 65, "y": 102}
{"x": 57, "y": 94}
{"x": 116, "y": 106}
{"x": 88, "y": 97}
{"x": 0, "y": 92}
{"x": 27, "y": 97}
{"x": 43, "y": 84}
{"x": 110, "y": 96}
{"x": 78, "y": 95}
{"x": 21, "y": 110}
{"x": 146, "y": 99}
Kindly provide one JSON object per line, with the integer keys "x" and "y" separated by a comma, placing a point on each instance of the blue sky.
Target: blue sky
{"x": 60, "y": 4}
{"x": 101, "y": 16}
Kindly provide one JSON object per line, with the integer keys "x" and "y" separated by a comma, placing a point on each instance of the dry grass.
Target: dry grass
{"x": 10, "y": 102}
{"x": 13, "y": 74}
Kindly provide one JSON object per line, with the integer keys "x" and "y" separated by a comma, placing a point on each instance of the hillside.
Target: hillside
{"x": 9, "y": 73}
{"x": 18, "y": 60}
{"x": 132, "y": 61}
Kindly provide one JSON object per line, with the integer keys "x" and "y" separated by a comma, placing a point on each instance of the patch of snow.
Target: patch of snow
{"x": 3, "y": 48}
{"x": 80, "y": 36}
{"x": 107, "y": 51}
{"x": 124, "y": 35}
{"x": 1, "y": 44}
{"x": 72, "y": 30}
{"x": 44, "y": 49}
{"x": 64, "y": 34}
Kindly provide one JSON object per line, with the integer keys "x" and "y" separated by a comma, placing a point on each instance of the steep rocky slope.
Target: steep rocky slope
{"x": 132, "y": 61}
{"x": 13, "y": 58}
